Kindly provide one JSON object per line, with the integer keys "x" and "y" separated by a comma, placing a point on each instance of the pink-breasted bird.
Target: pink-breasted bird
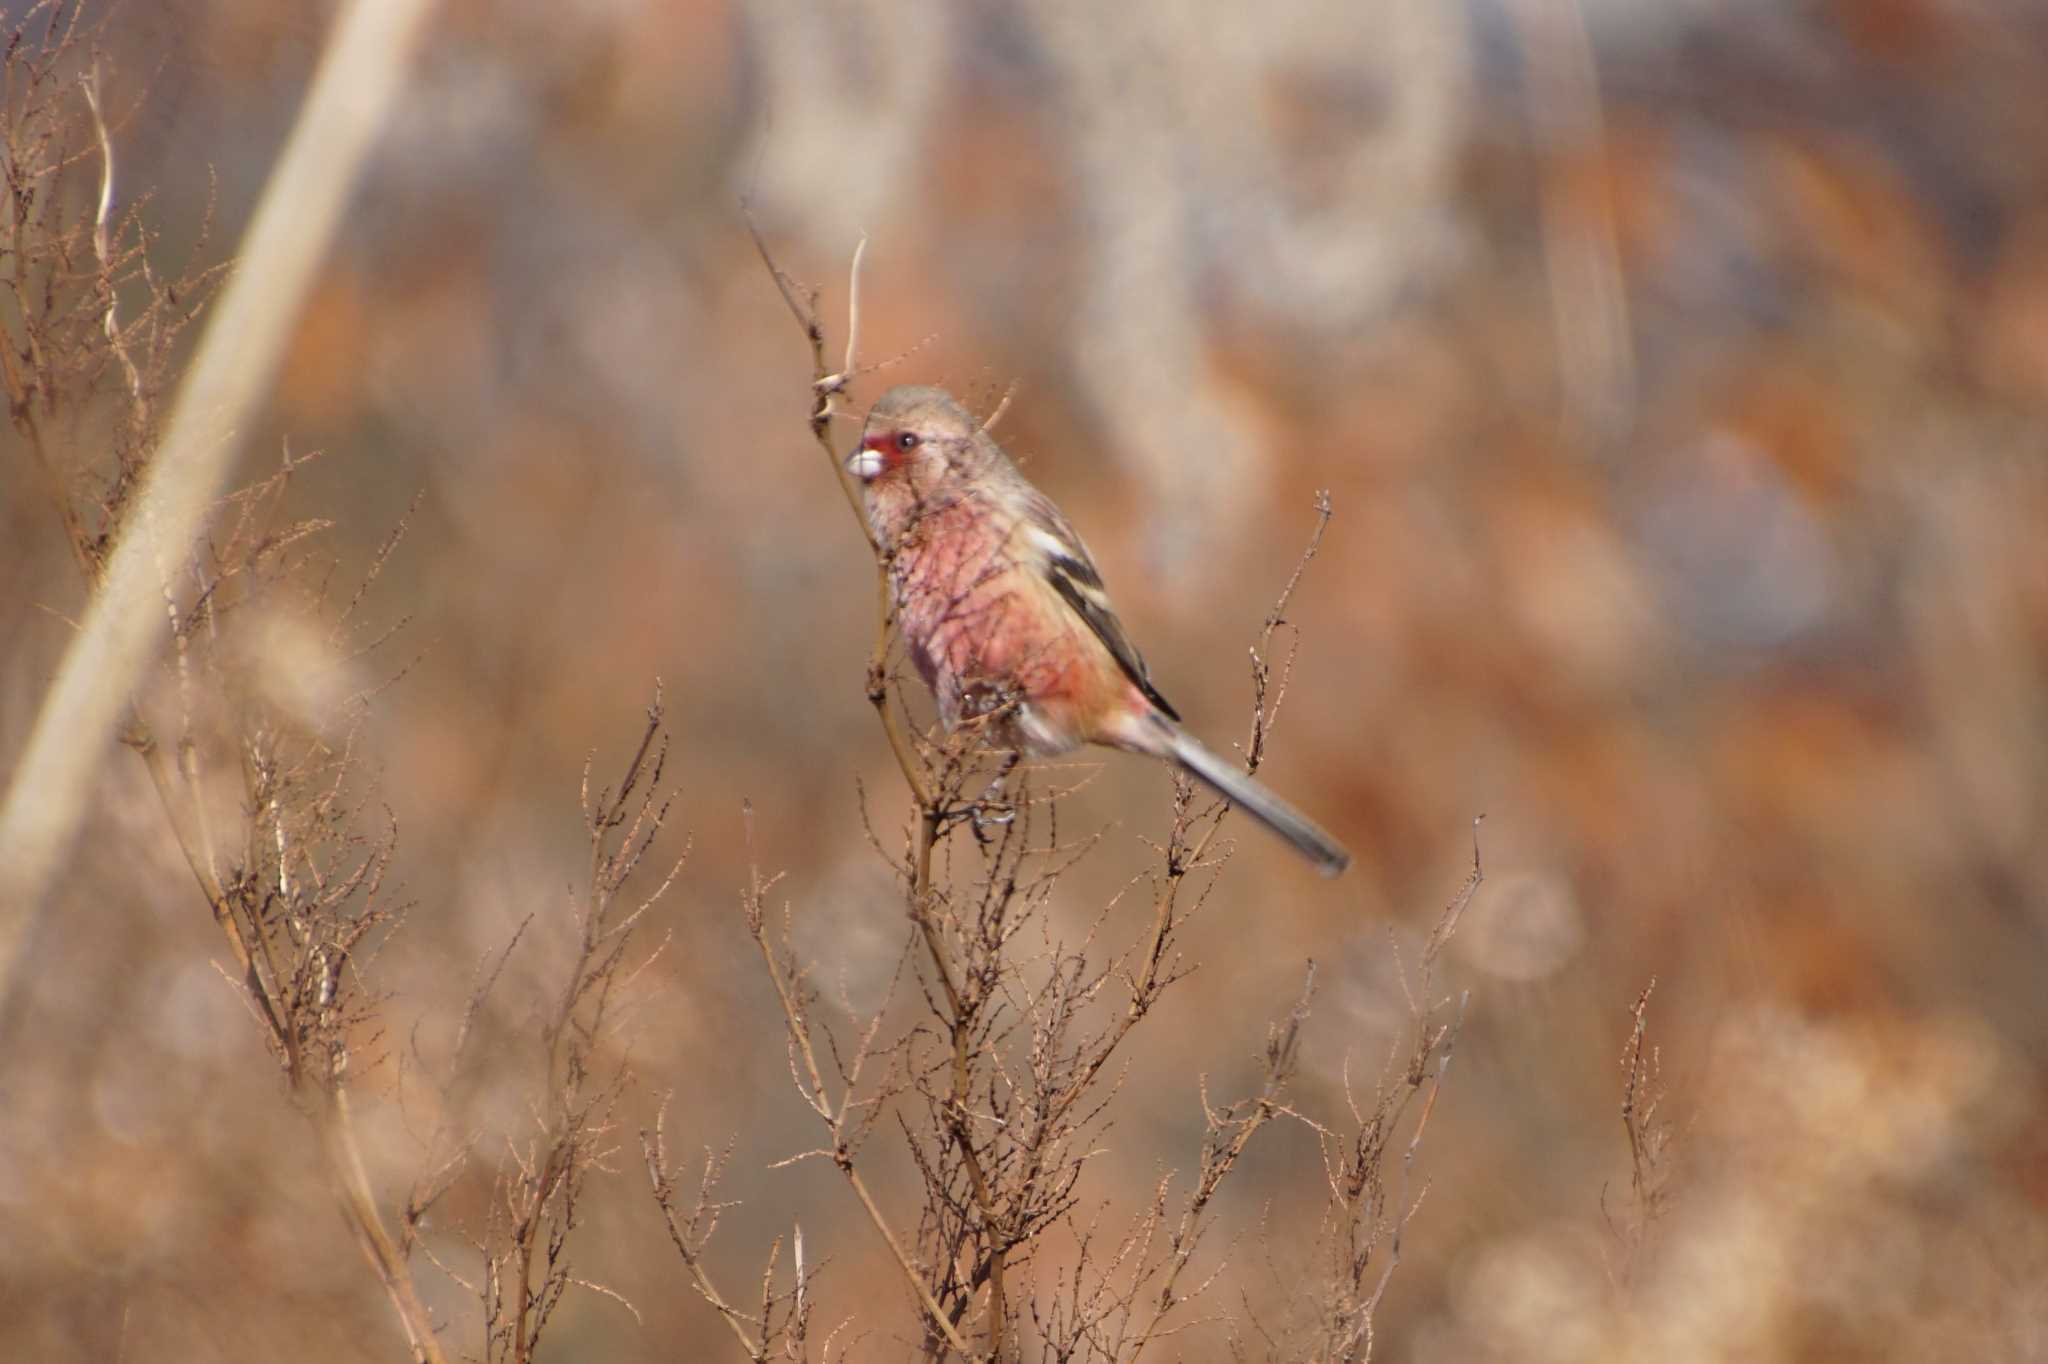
{"x": 1001, "y": 606}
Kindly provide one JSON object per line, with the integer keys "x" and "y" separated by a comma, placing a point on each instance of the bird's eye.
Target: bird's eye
{"x": 907, "y": 441}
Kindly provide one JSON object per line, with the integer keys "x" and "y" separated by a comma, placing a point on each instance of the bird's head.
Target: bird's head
{"x": 912, "y": 438}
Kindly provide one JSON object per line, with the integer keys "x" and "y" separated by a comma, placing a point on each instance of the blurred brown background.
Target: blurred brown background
{"x": 1678, "y": 372}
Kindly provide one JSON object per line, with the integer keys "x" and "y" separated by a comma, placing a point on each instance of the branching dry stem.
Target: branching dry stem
{"x": 1009, "y": 1066}
{"x": 302, "y": 904}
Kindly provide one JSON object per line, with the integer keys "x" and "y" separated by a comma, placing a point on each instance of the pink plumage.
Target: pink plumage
{"x": 1001, "y": 604}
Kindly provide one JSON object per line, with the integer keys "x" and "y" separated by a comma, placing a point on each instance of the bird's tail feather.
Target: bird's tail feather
{"x": 1177, "y": 745}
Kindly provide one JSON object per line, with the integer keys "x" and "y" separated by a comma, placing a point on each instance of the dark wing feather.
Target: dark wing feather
{"x": 1074, "y": 576}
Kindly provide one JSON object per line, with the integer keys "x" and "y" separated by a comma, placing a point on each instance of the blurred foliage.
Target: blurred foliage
{"x": 1679, "y": 373}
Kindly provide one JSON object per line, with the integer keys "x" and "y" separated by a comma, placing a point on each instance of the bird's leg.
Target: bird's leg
{"x": 988, "y": 712}
{"x": 987, "y": 802}
{"x": 986, "y": 811}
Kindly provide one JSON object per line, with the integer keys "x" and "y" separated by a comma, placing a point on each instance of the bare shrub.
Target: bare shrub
{"x": 998, "y": 1077}
{"x": 249, "y": 732}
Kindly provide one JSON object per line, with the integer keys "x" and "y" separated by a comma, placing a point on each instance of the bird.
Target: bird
{"x": 1004, "y": 613}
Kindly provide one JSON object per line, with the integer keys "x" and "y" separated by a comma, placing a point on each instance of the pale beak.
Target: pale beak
{"x": 864, "y": 464}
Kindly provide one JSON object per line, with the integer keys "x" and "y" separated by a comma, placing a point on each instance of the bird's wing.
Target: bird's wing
{"x": 1072, "y": 573}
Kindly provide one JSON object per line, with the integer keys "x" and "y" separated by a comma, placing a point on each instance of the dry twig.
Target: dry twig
{"x": 300, "y": 904}
{"x": 1001, "y": 1085}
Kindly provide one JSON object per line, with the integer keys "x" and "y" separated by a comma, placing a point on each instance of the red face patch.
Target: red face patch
{"x": 895, "y": 447}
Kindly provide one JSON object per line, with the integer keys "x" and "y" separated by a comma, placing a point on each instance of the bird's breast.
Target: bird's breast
{"x": 985, "y": 631}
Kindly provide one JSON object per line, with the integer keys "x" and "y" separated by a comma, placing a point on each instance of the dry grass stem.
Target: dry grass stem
{"x": 360, "y": 75}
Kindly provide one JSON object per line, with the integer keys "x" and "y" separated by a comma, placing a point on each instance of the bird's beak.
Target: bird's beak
{"x": 864, "y": 464}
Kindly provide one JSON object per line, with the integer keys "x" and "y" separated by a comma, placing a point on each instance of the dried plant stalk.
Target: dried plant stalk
{"x": 299, "y": 897}
{"x": 998, "y": 1076}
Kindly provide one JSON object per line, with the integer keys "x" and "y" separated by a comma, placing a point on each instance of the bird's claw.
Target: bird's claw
{"x": 985, "y": 815}
{"x": 987, "y": 810}
{"x": 982, "y": 813}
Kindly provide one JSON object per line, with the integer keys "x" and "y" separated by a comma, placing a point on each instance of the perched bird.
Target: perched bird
{"x": 1005, "y": 614}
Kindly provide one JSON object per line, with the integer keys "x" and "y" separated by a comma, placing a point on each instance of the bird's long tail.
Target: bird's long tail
{"x": 1168, "y": 740}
